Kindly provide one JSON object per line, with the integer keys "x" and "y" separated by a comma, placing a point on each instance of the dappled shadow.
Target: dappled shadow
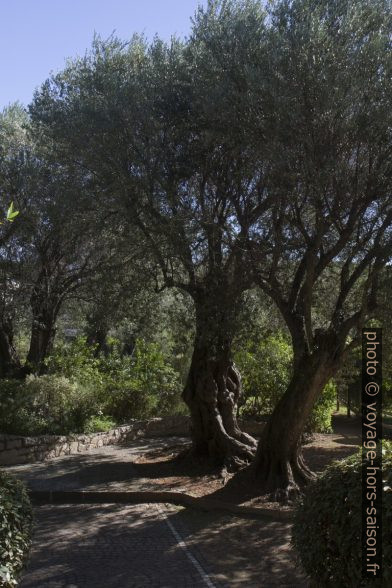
{"x": 77, "y": 471}
{"x": 100, "y": 468}
{"x": 192, "y": 476}
{"x": 248, "y": 552}
{"x": 152, "y": 465}
{"x": 318, "y": 458}
{"x": 244, "y": 487}
{"x": 239, "y": 489}
{"x": 125, "y": 546}
{"x": 343, "y": 425}
{"x": 106, "y": 547}
{"x": 114, "y": 546}
{"x": 175, "y": 467}
{"x": 348, "y": 440}
{"x": 351, "y": 426}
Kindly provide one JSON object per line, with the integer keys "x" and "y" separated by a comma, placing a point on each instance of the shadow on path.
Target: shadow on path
{"x": 107, "y": 547}
{"x": 118, "y": 546}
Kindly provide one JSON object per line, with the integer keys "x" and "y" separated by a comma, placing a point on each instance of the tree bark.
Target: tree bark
{"x": 43, "y": 332}
{"x": 348, "y": 402}
{"x": 9, "y": 361}
{"x": 213, "y": 388}
{"x": 45, "y": 303}
{"x": 279, "y": 464}
{"x": 97, "y": 337}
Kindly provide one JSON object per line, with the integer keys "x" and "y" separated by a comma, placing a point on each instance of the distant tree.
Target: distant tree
{"x": 63, "y": 253}
{"x": 13, "y": 160}
{"x": 49, "y": 254}
{"x": 117, "y": 292}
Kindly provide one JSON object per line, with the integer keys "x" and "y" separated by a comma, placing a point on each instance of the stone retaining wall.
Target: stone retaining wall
{"x": 15, "y": 449}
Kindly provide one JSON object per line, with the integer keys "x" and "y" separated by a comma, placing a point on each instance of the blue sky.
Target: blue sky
{"x": 36, "y": 36}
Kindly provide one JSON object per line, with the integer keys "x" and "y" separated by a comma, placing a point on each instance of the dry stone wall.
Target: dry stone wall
{"x": 15, "y": 449}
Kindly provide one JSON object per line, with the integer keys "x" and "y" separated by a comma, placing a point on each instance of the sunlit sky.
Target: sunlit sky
{"x": 36, "y": 36}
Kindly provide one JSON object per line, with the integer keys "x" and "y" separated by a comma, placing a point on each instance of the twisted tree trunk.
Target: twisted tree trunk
{"x": 279, "y": 463}
{"x": 213, "y": 388}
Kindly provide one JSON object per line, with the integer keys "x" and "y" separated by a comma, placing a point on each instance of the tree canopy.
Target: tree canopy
{"x": 255, "y": 152}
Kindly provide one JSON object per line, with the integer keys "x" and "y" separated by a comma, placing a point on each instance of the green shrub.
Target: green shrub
{"x": 122, "y": 387}
{"x": 16, "y": 415}
{"x": 76, "y": 361}
{"x": 320, "y": 421}
{"x": 96, "y": 424}
{"x": 15, "y": 529}
{"x": 265, "y": 369}
{"x": 327, "y": 525}
{"x": 82, "y": 393}
{"x": 140, "y": 386}
{"x": 47, "y": 404}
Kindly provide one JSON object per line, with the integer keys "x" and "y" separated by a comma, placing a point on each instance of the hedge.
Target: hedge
{"x": 15, "y": 529}
{"x": 327, "y": 525}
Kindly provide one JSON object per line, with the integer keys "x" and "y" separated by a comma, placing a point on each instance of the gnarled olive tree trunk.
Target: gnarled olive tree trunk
{"x": 213, "y": 387}
{"x": 279, "y": 464}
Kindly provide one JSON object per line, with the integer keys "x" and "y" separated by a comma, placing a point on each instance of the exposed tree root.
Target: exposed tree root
{"x": 284, "y": 478}
{"x": 143, "y": 497}
{"x": 224, "y": 453}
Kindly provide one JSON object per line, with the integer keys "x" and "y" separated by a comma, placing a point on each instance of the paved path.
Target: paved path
{"x": 109, "y": 546}
{"x": 105, "y": 468}
{"x": 105, "y": 546}
{"x": 144, "y": 546}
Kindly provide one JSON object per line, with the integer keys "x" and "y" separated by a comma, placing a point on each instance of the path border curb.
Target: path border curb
{"x": 178, "y": 498}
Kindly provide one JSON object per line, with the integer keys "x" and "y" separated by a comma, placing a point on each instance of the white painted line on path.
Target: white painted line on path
{"x": 208, "y": 582}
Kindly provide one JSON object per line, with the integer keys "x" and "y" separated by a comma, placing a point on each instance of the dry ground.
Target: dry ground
{"x": 164, "y": 472}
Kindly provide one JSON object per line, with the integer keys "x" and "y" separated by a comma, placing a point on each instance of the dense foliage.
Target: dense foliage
{"x": 256, "y": 153}
{"x": 84, "y": 393}
{"x": 42, "y": 405}
{"x": 320, "y": 420}
{"x": 266, "y": 366}
{"x": 327, "y": 527}
{"x": 15, "y": 529}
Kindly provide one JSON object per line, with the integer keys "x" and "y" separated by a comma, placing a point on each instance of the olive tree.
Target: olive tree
{"x": 161, "y": 128}
{"x": 330, "y": 233}
{"x": 14, "y": 159}
{"x": 63, "y": 251}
